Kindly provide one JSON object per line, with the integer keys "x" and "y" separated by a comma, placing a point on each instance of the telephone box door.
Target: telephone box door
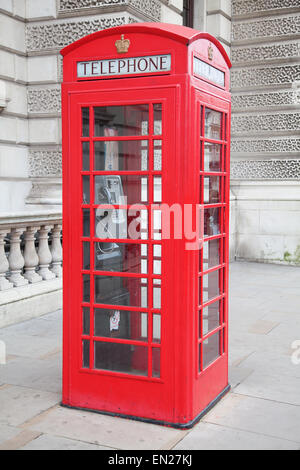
{"x": 118, "y": 328}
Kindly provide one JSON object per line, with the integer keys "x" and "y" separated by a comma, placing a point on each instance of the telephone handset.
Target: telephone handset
{"x": 110, "y": 223}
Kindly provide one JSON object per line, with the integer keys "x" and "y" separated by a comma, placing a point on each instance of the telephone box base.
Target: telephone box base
{"x": 188, "y": 425}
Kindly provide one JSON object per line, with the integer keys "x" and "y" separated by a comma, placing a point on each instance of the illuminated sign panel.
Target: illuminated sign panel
{"x": 209, "y": 72}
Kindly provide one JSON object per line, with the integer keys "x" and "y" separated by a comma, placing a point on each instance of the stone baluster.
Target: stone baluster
{"x": 44, "y": 253}
{"x": 4, "y": 266}
{"x": 15, "y": 258}
{"x": 56, "y": 251}
{"x": 30, "y": 256}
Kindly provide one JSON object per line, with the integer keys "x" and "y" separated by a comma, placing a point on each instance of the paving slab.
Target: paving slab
{"x": 19, "y": 404}
{"x": 45, "y": 442}
{"x": 262, "y": 327}
{"x": 237, "y": 375}
{"x": 33, "y": 373}
{"x": 206, "y": 436}
{"x": 7, "y": 432}
{"x": 49, "y": 325}
{"x": 257, "y": 342}
{"x": 29, "y": 346}
{"x": 256, "y": 415}
{"x": 21, "y": 439}
{"x": 104, "y": 430}
{"x": 284, "y": 389}
{"x": 273, "y": 363}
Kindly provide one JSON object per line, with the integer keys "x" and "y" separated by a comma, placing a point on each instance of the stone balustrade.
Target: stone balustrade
{"x": 30, "y": 249}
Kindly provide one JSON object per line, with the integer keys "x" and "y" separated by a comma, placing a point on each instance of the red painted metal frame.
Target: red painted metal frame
{"x": 184, "y": 390}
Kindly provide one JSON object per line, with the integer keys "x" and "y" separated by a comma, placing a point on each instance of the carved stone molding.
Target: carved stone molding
{"x": 286, "y": 98}
{"x": 266, "y": 123}
{"x": 70, "y": 5}
{"x": 150, "y": 8}
{"x": 242, "y": 7}
{"x": 262, "y": 53}
{"x": 44, "y": 100}
{"x": 45, "y": 191}
{"x": 264, "y": 76}
{"x": 266, "y": 169}
{"x": 266, "y": 28}
{"x": 45, "y": 163}
{"x": 265, "y": 146}
{"x": 55, "y": 36}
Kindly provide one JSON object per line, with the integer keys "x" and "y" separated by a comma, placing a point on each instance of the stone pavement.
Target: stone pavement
{"x": 261, "y": 412}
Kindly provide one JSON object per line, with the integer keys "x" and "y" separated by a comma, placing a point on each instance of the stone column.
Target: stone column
{"x": 16, "y": 259}
{"x": 56, "y": 251}
{"x": 44, "y": 254}
{"x": 4, "y": 266}
{"x": 30, "y": 256}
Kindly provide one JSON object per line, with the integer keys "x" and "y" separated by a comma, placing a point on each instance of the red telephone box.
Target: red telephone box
{"x": 146, "y": 132}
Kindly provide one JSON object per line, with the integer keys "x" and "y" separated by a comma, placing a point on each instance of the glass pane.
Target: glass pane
{"x": 157, "y": 267}
{"x": 157, "y": 259}
{"x": 156, "y": 297}
{"x": 212, "y": 190}
{"x": 157, "y": 189}
{"x": 86, "y": 288}
{"x": 85, "y": 122}
{"x": 86, "y": 222}
{"x": 156, "y": 328}
{"x": 211, "y": 350}
{"x": 86, "y": 255}
{"x": 121, "y": 190}
{"x": 129, "y": 155}
{"x": 121, "y": 224}
{"x": 157, "y": 251}
{"x": 200, "y": 356}
{"x": 156, "y": 362}
{"x": 86, "y": 321}
{"x": 212, "y": 157}
{"x": 156, "y": 222}
{"x": 86, "y": 354}
{"x": 85, "y": 156}
{"x": 126, "y": 291}
{"x": 124, "y": 358}
{"x": 212, "y": 221}
{"x": 157, "y": 155}
{"x": 211, "y": 286}
{"x": 121, "y": 324}
{"x": 86, "y": 189}
{"x": 121, "y": 120}
{"x": 121, "y": 257}
{"x": 211, "y": 317}
{"x": 211, "y": 254}
{"x": 157, "y": 111}
{"x": 213, "y": 120}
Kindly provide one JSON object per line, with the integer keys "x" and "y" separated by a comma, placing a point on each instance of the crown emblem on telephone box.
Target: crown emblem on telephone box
{"x": 122, "y": 45}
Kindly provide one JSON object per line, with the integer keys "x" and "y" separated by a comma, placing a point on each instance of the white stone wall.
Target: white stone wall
{"x": 14, "y": 184}
{"x": 265, "y": 146}
{"x": 214, "y": 17}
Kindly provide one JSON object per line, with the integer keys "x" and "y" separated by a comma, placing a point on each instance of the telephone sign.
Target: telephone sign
{"x": 124, "y": 66}
{"x": 146, "y": 137}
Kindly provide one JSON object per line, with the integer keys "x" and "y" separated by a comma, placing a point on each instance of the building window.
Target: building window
{"x": 188, "y": 13}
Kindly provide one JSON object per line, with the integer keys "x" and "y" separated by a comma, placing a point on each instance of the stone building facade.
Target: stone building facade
{"x": 262, "y": 39}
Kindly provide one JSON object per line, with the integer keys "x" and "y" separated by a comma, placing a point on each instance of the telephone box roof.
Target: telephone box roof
{"x": 178, "y": 33}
